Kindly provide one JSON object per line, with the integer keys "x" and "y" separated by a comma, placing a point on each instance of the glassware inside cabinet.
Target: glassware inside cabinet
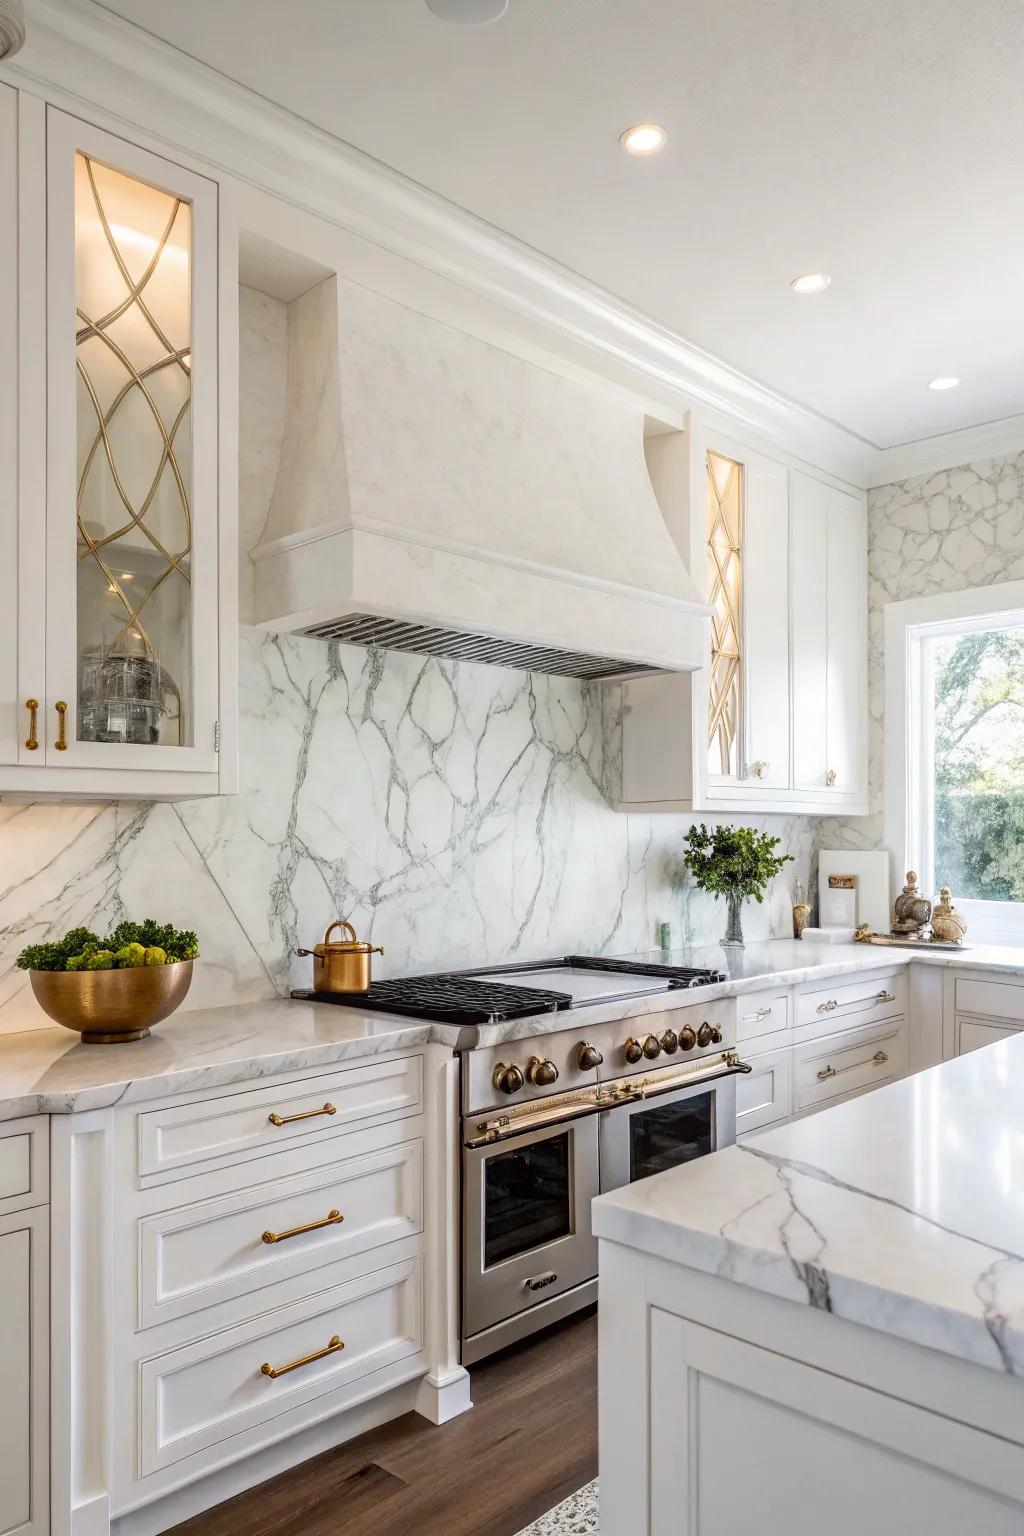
{"x": 133, "y": 260}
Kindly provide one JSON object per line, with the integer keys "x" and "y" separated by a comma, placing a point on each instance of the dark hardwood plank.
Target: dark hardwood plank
{"x": 530, "y": 1441}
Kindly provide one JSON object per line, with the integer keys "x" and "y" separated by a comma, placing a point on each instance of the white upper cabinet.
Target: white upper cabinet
{"x": 122, "y": 606}
{"x": 9, "y": 712}
{"x": 777, "y": 718}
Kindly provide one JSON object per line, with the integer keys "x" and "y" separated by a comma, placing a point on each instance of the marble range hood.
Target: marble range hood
{"x": 437, "y": 494}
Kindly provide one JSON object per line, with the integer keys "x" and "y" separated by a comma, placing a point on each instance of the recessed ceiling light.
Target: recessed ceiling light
{"x": 643, "y": 139}
{"x": 810, "y": 282}
{"x": 944, "y": 381}
{"x": 469, "y": 13}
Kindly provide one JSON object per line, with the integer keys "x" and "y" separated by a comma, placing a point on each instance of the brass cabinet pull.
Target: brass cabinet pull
{"x": 330, "y": 1220}
{"x": 826, "y": 1072}
{"x": 830, "y": 778}
{"x": 885, "y": 997}
{"x": 762, "y": 1013}
{"x": 761, "y": 770}
{"x": 306, "y": 1114}
{"x": 62, "y": 726}
{"x": 829, "y": 1006}
{"x": 32, "y": 741}
{"x": 274, "y": 1371}
{"x": 879, "y": 1058}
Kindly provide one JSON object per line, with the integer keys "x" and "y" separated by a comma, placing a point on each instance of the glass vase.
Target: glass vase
{"x": 734, "y": 923}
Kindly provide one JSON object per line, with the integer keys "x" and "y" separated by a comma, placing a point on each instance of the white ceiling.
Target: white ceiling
{"x": 881, "y": 141}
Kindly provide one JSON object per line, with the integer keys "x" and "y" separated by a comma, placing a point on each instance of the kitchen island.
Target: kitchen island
{"x": 834, "y": 1308}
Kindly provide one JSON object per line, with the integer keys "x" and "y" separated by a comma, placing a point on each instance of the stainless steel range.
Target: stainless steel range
{"x": 551, "y": 1120}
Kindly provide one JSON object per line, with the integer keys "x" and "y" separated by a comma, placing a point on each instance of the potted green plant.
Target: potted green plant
{"x": 734, "y": 862}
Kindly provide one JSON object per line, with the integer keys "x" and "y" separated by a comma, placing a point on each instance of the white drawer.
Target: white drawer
{"x": 193, "y": 1398}
{"x": 848, "y": 1062}
{"x": 997, "y": 999}
{"x": 860, "y": 1002}
{"x": 763, "y": 1095}
{"x": 253, "y": 1123}
{"x": 972, "y": 1034}
{"x": 761, "y": 1013}
{"x": 24, "y": 1163}
{"x": 205, "y": 1253}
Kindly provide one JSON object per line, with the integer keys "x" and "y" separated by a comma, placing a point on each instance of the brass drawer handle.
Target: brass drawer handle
{"x": 830, "y": 778}
{"x": 274, "y": 1371}
{"x": 885, "y": 997}
{"x": 880, "y": 1057}
{"x": 32, "y": 741}
{"x": 761, "y": 770}
{"x": 62, "y": 726}
{"x": 330, "y": 1220}
{"x": 755, "y": 1018}
{"x": 829, "y": 1006}
{"x": 306, "y": 1114}
{"x": 826, "y": 1072}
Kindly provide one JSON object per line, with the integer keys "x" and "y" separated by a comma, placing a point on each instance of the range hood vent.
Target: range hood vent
{"x": 396, "y": 635}
{"x": 436, "y": 494}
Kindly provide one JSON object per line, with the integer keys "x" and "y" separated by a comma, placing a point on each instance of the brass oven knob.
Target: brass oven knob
{"x": 716, "y": 1035}
{"x": 652, "y": 1047}
{"x": 588, "y": 1056}
{"x": 634, "y": 1050}
{"x": 709, "y": 1034}
{"x": 687, "y": 1038}
{"x": 541, "y": 1072}
{"x": 670, "y": 1042}
{"x": 507, "y": 1079}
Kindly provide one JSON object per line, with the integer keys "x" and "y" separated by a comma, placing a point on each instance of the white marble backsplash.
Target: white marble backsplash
{"x": 457, "y": 814}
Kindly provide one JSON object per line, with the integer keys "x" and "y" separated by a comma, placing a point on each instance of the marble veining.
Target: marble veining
{"x": 902, "y": 1210}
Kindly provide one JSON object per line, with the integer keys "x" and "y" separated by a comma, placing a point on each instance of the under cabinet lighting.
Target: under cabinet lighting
{"x": 944, "y": 381}
{"x": 644, "y": 139}
{"x": 810, "y": 282}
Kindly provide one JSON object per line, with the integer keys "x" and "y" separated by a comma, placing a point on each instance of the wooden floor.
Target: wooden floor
{"x": 529, "y": 1441}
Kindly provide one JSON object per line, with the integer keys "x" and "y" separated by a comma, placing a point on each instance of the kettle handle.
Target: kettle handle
{"x": 305, "y": 952}
{"x": 341, "y": 923}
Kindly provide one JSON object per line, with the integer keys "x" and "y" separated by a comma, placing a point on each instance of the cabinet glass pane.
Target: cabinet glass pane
{"x": 725, "y": 530}
{"x": 133, "y": 259}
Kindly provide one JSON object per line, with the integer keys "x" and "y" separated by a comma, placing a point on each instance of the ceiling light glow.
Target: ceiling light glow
{"x": 643, "y": 139}
{"x": 810, "y": 282}
{"x": 944, "y": 381}
{"x": 469, "y": 13}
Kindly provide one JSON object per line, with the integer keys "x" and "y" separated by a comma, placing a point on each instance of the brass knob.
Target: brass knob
{"x": 670, "y": 1042}
{"x": 687, "y": 1038}
{"x": 507, "y": 1079}
{"x": 761, "y": 770}
{"x": 830, "y": 778}
{"x": 541, "y": 1072}
{"x": 652, "y": 1047}
{"x": 588, "y": 1056}
{"x": 705, "y": 1035}
{"x": 61, "y": 743}
{"x": 634, "y": 1050}
{"x": 716, "y": 1035}
{"x": 32, "y": 741}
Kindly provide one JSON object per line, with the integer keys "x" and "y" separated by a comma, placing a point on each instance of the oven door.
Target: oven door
{"x": 650, "y": 1135}
{"x": 526, "y": 1220}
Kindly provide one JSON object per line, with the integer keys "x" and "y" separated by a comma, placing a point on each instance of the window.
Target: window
{"x": 955, "y": 715}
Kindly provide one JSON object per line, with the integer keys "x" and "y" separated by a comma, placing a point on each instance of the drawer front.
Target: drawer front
{"x": 204, "y": 1393}
{"x": 860, "y": 1002}
{"x": 24, "y": 1163}
{"x": 245, "y": 1125}
{"x": 845, "y": 1063}
{"x": 972, "y": 1034}
{"x": 200, "y": 1255}
{"x": 763, "y": 1095}
{"x": 996, "y": 999}
{"x": 761, "y": 1013}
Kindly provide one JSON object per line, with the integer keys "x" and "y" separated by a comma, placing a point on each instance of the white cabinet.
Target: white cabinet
{"x": 116, "y": 620}
{"x": 777, "y": 718}
{"x": 980, "y": 1009}
{"x": 829, "y": 598}
{"x": 972, "y": 1034}
{"x": 24, "y": 1328}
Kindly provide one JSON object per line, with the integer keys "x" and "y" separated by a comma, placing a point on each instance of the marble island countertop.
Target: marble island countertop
{"x": 49, "y": 1071}
{"x": 902, "y": 1210}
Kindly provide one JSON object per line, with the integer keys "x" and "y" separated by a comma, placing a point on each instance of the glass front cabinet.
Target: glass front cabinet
{"x": 121, "y": 626}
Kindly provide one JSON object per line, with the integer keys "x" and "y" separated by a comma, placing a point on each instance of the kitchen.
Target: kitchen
{"x": 437, "y": 658}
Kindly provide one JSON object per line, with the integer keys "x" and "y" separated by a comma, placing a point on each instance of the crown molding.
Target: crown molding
{"x": 930, "y": 455}
{"x": 85, "y": 58}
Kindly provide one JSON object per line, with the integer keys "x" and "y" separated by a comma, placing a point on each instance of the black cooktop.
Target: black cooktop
{"x": 460, "y": 998}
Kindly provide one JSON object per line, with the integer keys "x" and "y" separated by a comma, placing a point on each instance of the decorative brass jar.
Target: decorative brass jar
{"x": 106, "y": 1007}
{"x": 344, "y": 965}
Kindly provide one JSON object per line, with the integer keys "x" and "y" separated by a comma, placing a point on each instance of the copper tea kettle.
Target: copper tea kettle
{"x": 344, "y": 965}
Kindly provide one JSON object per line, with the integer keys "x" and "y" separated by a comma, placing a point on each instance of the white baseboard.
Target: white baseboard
{"x": 441, "y": 1400}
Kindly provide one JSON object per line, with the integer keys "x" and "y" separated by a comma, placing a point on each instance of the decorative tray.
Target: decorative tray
{"x": 904, "y": 941}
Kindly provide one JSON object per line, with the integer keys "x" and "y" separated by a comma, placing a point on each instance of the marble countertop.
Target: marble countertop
{"x": 49, "y": 1071}
{"x": 902, "y": 1210}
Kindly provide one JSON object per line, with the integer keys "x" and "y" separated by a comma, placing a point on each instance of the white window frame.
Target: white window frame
{"x": 909, "y": 771}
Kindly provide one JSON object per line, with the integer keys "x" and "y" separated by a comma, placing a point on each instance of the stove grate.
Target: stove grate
{"x": 448, "y": 999}
{"x": 677, "y": 975}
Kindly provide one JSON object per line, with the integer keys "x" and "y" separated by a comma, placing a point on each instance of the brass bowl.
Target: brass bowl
{"x": 109, "y": 1006}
